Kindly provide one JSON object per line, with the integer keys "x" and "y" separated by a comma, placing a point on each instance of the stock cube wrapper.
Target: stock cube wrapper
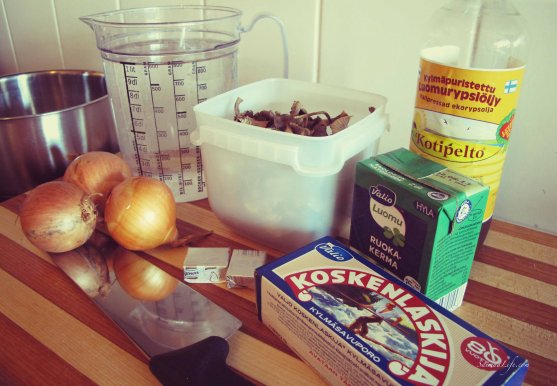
{"x": 241, "y": 269}
{"x": 419, "y": 220}
{"x": 206, "y": 265}
{"x": 356, "y": 324}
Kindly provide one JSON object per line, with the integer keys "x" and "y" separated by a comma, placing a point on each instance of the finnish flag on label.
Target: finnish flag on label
{"x": 511, "y": 86}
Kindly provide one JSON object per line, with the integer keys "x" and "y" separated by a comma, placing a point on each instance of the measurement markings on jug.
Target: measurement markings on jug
{"x": 135, "y": 107}
{"x": 137, "y": 122}
{"x": 133, "y": 94}
{"x": 160, "y": 97}
{"x": 180, "y": 107}
{"x": 151, "y": 71}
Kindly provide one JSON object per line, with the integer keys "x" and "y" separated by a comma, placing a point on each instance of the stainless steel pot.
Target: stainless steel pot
{"x": 46, "y": 119}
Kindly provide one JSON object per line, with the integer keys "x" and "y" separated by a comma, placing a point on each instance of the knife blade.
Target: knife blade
{"x": 182, "y": 332}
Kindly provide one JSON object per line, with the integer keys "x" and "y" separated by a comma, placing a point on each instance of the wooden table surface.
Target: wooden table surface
{"x": 51, "y": 333}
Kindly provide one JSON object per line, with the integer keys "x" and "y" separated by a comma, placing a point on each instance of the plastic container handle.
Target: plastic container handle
{"x": 282, "y": 33}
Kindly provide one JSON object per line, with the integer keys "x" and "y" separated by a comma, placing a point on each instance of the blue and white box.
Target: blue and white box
{"x": 356, "y": 324}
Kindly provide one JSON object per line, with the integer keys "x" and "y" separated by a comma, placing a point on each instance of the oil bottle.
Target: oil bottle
{"x": 471, "y": 71}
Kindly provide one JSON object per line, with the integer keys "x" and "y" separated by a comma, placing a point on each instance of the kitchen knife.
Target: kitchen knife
{"x": 183, "y": 333}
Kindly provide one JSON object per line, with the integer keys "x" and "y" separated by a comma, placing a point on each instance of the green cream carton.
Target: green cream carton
{"x": 419, "y": 220}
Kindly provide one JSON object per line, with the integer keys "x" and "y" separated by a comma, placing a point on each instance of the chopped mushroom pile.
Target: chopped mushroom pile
{"x": 298, "y": 121}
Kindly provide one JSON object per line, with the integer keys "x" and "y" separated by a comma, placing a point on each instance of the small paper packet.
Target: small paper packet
{"x": 206, "y": 265}
{"x": 242, "y": 267}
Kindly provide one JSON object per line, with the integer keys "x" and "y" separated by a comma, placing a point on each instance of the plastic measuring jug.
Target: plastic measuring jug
{"x": 159, "y": 62}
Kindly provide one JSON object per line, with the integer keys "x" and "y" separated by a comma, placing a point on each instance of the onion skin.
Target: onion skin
{"x": 140, "y": 214}
{"x": 97, "y": 173}
{"x": 86, "y": 267}
{"x": 57, "y": 216}
{"x": 141, "y": 279}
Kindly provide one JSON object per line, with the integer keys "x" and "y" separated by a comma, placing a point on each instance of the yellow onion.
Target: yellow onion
{"x": 57, "y": 216}
{"x": 141, "y": 279}
{"x": 140, "y": 214}
{"x": 96, "y": 173}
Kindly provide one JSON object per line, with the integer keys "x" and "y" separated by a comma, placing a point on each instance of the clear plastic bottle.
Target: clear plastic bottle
{"x": 471, "y": 72}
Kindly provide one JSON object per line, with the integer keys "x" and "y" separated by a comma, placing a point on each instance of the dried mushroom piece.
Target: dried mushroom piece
{"x": 340, "y": 122}
{"x": 297, "y": 121}
{"x": 248, "y": 117}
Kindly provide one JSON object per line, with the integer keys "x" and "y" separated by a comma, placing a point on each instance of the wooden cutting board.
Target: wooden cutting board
{"x": 53, "y": 334}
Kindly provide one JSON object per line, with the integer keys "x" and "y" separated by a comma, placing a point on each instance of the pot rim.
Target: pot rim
{"x": 92, "y": 73}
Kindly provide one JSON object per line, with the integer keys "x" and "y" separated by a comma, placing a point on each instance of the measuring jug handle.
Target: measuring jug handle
{"x": 282, "y": 33}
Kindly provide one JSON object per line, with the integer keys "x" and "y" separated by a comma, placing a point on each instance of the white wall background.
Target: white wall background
{"x": 370, "y": 45}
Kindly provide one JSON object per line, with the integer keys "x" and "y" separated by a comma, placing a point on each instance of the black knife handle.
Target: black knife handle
{"x": 202, "y": 363}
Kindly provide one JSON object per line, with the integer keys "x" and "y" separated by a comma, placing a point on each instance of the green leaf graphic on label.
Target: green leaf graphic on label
{"x": 505, "y": 128}
{"x": 399, "y": 240}
{"x": 388, "y": 233}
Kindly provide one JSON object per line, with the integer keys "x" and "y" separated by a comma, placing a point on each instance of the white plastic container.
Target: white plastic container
{"x": 283, "y": 189}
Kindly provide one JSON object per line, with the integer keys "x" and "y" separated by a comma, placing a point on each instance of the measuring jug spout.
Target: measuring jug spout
{"x": 95, "y": 21}
{"x": 87, "y": 20}
{"x": 91, "y": 21}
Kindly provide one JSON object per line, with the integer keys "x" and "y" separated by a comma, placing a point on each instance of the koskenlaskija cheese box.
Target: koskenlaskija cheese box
{"x": 356, "y": 324}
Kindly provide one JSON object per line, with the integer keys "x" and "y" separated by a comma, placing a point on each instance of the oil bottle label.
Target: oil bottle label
{"x": 463, "y": 119}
